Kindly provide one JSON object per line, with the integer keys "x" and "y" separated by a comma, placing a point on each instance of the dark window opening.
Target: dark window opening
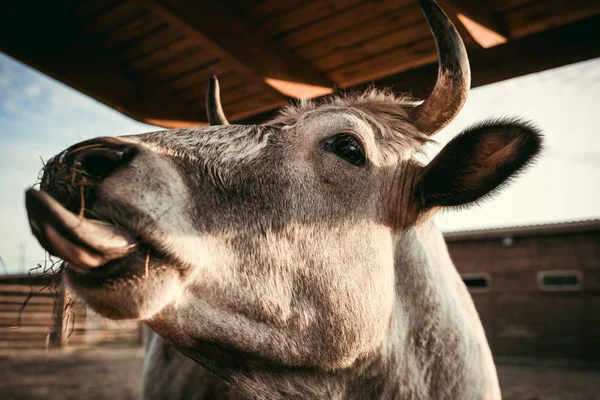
{"x": 476, "y": 281}
{"x": 559, "y": 280}
{"x": 571, "y": 280}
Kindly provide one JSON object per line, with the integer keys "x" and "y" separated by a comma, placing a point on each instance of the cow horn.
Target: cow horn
{"x": 454, "y": 75}
{"x": 214, "y": 111}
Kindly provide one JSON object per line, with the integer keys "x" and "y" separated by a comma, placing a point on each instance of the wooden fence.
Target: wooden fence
{"x": 34, "y": 313}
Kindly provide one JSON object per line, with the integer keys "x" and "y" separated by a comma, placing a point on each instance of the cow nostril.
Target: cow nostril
{"x": 101, "y": 161}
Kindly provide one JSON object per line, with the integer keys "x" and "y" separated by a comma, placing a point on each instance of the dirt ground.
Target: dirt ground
{"x": 115, "y": 374}
{"x": 92, "y": 375}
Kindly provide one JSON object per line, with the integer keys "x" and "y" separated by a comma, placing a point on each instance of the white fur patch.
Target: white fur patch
{"x": 215, "y": 144}
{"x": 219, "y": 150}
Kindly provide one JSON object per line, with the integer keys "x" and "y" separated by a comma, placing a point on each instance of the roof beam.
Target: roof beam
{"x": 479, "y": 20}
{"x": 249, "y": 45}
{"x": 575, "y": 42}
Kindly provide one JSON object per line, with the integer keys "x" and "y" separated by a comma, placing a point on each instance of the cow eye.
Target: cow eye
{"x": 347, "y": 147}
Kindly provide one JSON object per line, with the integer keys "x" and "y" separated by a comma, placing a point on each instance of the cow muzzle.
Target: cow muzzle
{"x": 69, "y": 182}
{"x": 81, "y": 242}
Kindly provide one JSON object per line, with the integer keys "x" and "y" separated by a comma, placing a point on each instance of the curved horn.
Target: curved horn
{"x": 214, "y": 111}
{"x": 454, "y": 75}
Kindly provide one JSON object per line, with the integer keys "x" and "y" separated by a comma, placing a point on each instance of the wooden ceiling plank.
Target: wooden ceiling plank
{"x": 237, "y": 94}
{"x": 246, "y": 46}
{"x": 164, "y": 54}
{"x": 204, "y": 70}
{"x": 196, "y": 92}
{"x": 248, "y": 107}
{"x": 505, "y": 5}
{"x": 124, "y": 47}
{"x": 341, "y": 21}
{"x": 374, "y": 47}
{"x": 248, "y": 4}
{"x": 310, "y": 12}
{"x": 150, "y": 44}
{"x": 90, "y": 8}
{"x": 411, "y": 55}
{"x": 234, "y": 95}
{"x": 538, "y": 16}
{"x": 198, "y": 74}
{"x": 271, "y": 8}
{"x": 370, "y": 29}
{"x": 193, "y": 58}
{"x": 114, "y": 17}
{"x": 134, "y": 29}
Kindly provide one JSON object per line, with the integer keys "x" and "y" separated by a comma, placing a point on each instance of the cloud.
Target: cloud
{"x": 4, "y": 80}
{"x": 6, "y": 74}
{"x": 10, "y": 107}
{"x": 33, "y": 91}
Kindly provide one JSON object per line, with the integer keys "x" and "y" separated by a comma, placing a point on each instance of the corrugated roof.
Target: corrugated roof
{"x": 585, "y": 225}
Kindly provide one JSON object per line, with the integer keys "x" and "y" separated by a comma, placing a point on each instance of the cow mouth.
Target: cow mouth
{"x": 85, "y": 244}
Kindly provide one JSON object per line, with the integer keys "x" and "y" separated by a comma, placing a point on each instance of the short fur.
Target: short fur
{"x": 291, "y": 273}
{"x": 386, "y": 111}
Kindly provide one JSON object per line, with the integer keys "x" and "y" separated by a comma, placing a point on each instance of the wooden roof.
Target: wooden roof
{"x": 152, "y": 59}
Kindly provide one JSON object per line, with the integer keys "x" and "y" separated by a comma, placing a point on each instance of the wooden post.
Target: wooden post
{"x": 56, "y": 331}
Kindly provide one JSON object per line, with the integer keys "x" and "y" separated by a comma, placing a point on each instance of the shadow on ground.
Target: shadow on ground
{"x": 115, "y": 374}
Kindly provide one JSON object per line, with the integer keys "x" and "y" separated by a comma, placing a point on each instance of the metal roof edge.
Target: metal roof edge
{"x": 525, "y": 230}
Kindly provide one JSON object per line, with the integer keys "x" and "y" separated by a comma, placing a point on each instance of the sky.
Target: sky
{"x": 40, "y": 117}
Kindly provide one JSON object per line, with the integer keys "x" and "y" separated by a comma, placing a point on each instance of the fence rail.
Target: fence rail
{"x": 36, "y": 314}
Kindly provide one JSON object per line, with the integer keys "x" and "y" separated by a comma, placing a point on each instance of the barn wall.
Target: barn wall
{"x": 519, "y": 318}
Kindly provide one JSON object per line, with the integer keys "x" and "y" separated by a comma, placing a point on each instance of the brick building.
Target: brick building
{"x": 537, "y": 288}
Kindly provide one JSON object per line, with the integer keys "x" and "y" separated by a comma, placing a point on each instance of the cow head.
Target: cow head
{"x": 275, "y": 244}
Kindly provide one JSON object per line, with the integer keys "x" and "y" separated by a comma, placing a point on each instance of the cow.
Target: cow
{"x": 292, "y": 259}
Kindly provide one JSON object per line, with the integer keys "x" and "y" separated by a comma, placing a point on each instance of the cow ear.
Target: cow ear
{"x": 477, "y": 163}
